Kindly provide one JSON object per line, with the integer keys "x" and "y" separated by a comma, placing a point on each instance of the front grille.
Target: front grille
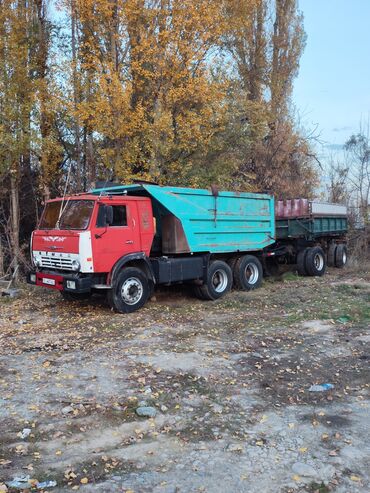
{"x": 56, "y": 262}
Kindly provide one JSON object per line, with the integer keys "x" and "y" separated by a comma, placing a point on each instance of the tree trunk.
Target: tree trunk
{"x": 76, "y": 96}
{"x": 14, "y": 214}
{"x": 1, "y": 258}
{"x": 259, "y": 60}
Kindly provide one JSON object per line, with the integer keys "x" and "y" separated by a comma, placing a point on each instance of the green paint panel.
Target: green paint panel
{"x": 311, "y": 227}
{"x": 229, "y": 223}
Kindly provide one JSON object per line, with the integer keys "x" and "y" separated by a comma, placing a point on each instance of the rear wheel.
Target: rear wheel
{"x": 231, "y": 262}
{"x": 340, "y": 256}
{"x": 315, "y": 261}
{"x": 301, "y": 262}
{"x": 199, "y": 293}
{"x": 219, "y": 281}
{"x": 130, "y": 291}
{"x": 331, "y": 254}
{"x": 248, "y": 273}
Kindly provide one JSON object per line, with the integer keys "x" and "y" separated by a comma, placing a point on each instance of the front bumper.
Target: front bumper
{"x": 61, "y": 282}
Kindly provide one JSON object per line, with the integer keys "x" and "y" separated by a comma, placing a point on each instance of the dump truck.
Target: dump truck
{"x": 127, "y": 239}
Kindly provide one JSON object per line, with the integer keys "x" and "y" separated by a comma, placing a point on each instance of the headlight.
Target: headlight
{"x": 75, "y": 265}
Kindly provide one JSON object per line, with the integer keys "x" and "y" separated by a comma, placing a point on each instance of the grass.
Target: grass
{"x": 318, "y": 488}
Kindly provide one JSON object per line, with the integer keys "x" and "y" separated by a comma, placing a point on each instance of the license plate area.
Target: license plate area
{"x": 46, "y": 280}
{"x": 49, "y": 281}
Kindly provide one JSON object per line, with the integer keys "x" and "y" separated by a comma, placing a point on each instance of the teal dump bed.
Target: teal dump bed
{"x": 194, "y": 220}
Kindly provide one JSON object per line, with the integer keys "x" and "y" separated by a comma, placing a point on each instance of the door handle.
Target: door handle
{"x": 129, "y": 242}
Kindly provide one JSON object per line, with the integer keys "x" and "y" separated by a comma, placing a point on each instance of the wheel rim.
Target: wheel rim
{"x": 318, "y": 261}
{"x": 251, "y": 273}
{"x": 344, "y": 258}
{"x": 219, "y": 281}
{"x": 131, "y": 290}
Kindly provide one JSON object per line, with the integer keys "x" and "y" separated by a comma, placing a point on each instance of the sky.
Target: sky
{"x": 332, "y": 90}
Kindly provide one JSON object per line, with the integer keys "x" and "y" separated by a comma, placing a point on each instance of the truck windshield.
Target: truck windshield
{"x": 75, "y": 214}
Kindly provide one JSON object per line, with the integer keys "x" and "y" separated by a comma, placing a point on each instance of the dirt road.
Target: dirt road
{"x": 229, "y": 381}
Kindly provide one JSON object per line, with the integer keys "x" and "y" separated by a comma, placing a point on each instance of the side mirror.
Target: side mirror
{"x": 108, "y": 215}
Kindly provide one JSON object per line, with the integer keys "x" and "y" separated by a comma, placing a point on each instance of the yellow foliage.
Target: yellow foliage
{"x": 148, "y": 93}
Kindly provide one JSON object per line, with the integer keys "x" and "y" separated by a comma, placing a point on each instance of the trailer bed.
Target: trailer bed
{"x": 302, "y": 218}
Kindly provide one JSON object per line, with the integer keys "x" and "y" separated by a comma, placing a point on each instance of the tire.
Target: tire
{"x": 341, "y": 256}
{"x": 232, "y": 261}
{"x": 68, "y": 296}
{"x": 130, "y": 291}
{"x": 301, "y": 262}
{"x": 331, "y": 254}
{"x": 219, "y": 281}
{"x": 248, "y": 273}
{"x": 199, "y": 293}
{"x": 315, "y": 262}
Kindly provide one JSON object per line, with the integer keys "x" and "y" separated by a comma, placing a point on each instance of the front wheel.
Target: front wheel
{"x": 130, "y": 291}
{"x": 219, "y": 281}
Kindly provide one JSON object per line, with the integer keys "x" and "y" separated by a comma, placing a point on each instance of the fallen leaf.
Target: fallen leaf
{"x": 355, "y": 478}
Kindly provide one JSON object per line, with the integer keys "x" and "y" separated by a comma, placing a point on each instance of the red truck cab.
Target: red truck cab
{"x": 82, "y": 238}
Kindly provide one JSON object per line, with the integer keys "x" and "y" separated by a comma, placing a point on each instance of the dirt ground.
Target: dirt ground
{"x": 229, "y": 380}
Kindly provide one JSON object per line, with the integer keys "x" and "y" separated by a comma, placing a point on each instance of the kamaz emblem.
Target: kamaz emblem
{"x": 55, "y": 238}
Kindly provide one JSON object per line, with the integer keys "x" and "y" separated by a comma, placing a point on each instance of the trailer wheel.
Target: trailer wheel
{"x": 219, "y": 281}
{"x": 331, "y": 254}
{"x": 340, "y": 256}
{"x": 248, "y": 273}
{"x": 130, "y": 290}
{"x": 301, "y": 262}
{"x": 315, "y": 261}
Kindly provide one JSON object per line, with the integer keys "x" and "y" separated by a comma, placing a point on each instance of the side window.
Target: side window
{"x": 119, "y": 215}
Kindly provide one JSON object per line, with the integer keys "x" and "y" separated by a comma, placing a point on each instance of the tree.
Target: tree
{"x": 287, "y": 43}
{"x": 276, "y": 155}
{"x": 17, "y": 97}
{"x": 154, "y": 101}
{"x": 357, "y": 150}
{"x": 187, "y": 93}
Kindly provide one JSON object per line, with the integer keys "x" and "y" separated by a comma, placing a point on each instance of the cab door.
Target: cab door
{"x": 121, "y": 237}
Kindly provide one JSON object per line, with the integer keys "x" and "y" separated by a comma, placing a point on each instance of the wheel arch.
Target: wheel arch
{"x": 138, "y": 260}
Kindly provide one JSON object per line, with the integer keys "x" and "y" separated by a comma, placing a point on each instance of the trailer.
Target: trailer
{"x": 127, "y": 239}
{"x": 310, "y": 234}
